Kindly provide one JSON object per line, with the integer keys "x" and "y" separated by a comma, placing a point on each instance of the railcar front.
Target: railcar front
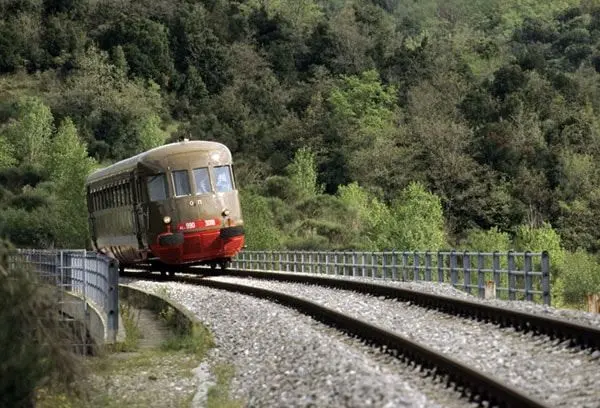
{"x": 192, "y": 204}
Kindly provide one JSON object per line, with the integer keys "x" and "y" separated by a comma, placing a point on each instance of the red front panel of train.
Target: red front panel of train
{"x": 199, "y": 246}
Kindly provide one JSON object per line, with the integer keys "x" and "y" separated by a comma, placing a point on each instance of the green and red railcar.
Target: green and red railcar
{"x": 174, "y": 205}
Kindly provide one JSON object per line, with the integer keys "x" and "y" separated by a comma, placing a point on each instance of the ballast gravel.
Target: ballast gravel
{"x": 443, "y": 289}
{"x": 285, "y": 359}
{"x": 547, "y": 370}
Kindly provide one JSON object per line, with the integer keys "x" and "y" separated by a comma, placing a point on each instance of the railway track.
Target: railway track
{"x": 475, "y": 385}
{"x": 577, "y": 334}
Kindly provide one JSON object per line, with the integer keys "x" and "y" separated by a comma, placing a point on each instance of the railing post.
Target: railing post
{"x": 383, "y": 265}
{"x": 480, "y": 275}
{"x": 272, "y": 260}
{"x": 453, "y": 274}
{"x": 346, "y": 263}
{"x": 440, "y": 266}
{"x": 427, "y": 266}
{"x": 336, "y": 261}
{"x": 512, "y": 279}
{"x": 394, "y": 265}
{"x": 364, "y": 266}
{"x": 467, "y": 271}
{"x": 373, "y": 265}
{"x": 416, "y": 265}
{"x": 84, "y": 276}
{"x": 527, "y": 272}
{"x": 496, "y": 271}
{"x": 112, "y": 314}
{"x": 354, "y": 263}
{"x": 404, "y": 265}
{"x": 546, "y": 278}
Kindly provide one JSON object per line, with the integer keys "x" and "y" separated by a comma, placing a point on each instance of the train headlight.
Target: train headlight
{"x": 225, "y": 213}
{"x": 167, "y": 219}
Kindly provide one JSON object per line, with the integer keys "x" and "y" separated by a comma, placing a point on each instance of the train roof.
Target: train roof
{"x": 155, "y": 155}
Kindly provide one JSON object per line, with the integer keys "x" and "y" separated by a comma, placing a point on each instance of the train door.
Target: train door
{"x": 139, "y": 210}
{"x": 157, "y": 204}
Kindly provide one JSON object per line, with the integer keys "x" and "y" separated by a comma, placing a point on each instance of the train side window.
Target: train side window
{"x": 116, "y": 200}
{"x": 202, "y": 180}
{"x": 157, "y": 187}
{"x": 127, "y": 193}
{"x": 181, "y": 182}
{"x": 122, "y": 193}
{"x": 223, "y": 179}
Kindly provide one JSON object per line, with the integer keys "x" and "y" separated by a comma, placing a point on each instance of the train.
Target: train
{"x": 172, "y": 206}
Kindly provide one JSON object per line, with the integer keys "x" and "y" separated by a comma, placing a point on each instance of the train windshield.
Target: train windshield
{"x": 223, "y": 181}
{"x": 202, "y": 180}
{"x": 157, "y": 187}
{"x": 181, "y": 182}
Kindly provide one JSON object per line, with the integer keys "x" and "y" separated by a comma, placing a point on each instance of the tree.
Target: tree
{"x": 303, "y": 174}
{"x": 368, "y": 218}
{"x": 149, "y": 133}
{"x": 31, "y": 130}
{"x": 418, "y": 220}
{"x": 69, "y": 166}
{"x": 7, "y": 158}
{"x": 261, "y": 229}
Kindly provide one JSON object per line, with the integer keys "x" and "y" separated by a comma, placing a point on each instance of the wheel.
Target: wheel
{"x": 171, "y": 273}
{"x": 223, "y": 265}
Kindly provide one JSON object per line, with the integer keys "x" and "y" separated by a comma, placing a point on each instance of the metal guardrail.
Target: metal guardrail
{"x": 92, "y": 277}
{"x": 516, "y": 275}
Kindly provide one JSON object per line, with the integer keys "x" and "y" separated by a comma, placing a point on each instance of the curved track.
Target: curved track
{"x": 578, "y": 334}
{"x": 480, "y": 386}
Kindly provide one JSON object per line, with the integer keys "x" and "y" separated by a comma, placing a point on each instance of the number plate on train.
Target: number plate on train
{"x": 190, "y": 225}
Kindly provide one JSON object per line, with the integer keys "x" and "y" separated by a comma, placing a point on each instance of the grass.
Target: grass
{"x": 130, "y": 317}
{"x": 153, "y": 368}
{"x": 218, "y": 394}
{"x": 198, "y": 342}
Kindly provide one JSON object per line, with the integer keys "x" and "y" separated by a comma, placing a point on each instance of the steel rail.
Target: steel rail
{"x": 578, "y": 334}
{"x": 482, "y": 387}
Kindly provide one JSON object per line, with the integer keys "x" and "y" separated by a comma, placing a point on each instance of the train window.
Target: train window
{"x": 157, "y": 187}
{"x": 121, "y": 195}
{"x": 202, "y": 180}
{"x": 181, "y": 182}
{"x": 223, "y": 179}
{"x": 127, "y": 194}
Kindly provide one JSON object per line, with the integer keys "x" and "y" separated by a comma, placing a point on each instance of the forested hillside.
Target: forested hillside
{"x": 354, "y": 123}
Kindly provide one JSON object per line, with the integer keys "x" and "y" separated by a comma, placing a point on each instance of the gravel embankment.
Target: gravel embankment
{"x": 285, "y": 359}
{"x": 552, "y": 372}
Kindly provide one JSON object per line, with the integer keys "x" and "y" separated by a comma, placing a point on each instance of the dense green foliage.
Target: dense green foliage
{"x": 354, "y": 123}
{"x": 35, "y": 346}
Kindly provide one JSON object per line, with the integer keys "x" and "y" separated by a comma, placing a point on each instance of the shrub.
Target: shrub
{"x": 581, "y": 278}
{"x": 35, "y": 347}
{"x": 487, "y": 240}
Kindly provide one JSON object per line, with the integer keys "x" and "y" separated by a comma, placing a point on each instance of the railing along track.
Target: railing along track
{"x": 481, "y": 387}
